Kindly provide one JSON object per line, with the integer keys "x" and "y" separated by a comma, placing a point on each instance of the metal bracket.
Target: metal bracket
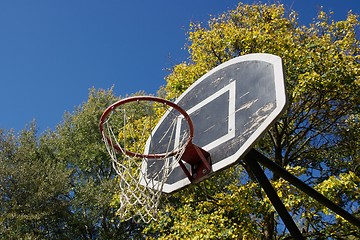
{"x": 199, "y": 160}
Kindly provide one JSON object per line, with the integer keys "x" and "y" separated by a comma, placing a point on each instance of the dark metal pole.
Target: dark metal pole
{"x": 274, "y": 198}
{"x": 253, "y": 154}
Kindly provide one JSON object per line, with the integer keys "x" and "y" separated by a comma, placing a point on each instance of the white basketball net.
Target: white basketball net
{"x": 139, "y": 193}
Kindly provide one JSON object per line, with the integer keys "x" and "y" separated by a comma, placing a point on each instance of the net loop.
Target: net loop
{"x": 127, "y": 127}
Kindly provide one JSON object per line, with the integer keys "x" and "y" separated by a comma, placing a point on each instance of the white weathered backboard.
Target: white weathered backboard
{"x": 231, "y": 106}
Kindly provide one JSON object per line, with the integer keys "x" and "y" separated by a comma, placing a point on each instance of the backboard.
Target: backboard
{"x": 231, "y": 106}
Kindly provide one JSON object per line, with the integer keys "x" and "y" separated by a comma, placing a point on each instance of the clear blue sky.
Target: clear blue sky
{"x": 53, "y": 52}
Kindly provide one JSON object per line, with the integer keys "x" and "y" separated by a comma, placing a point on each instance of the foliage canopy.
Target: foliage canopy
{"x": 321, "y": 64}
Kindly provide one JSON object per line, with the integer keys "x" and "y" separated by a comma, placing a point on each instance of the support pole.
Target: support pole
{"x": 274, "y": 198}
{"x": 253, "y": 154}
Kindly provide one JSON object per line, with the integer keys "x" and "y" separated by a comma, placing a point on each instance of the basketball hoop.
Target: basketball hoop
{"x": 127, "y": 127}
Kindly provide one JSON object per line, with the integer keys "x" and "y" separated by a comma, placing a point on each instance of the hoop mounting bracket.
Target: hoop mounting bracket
{"x": 199, "y": 160}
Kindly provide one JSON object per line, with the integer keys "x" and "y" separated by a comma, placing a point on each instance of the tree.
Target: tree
{"x": 79, "y": 144}
{"x": 33, "y": 187}
{"x": 93, "y": 196}
{"x": 61, "y": 185}
{"x": 313, "y": 139}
